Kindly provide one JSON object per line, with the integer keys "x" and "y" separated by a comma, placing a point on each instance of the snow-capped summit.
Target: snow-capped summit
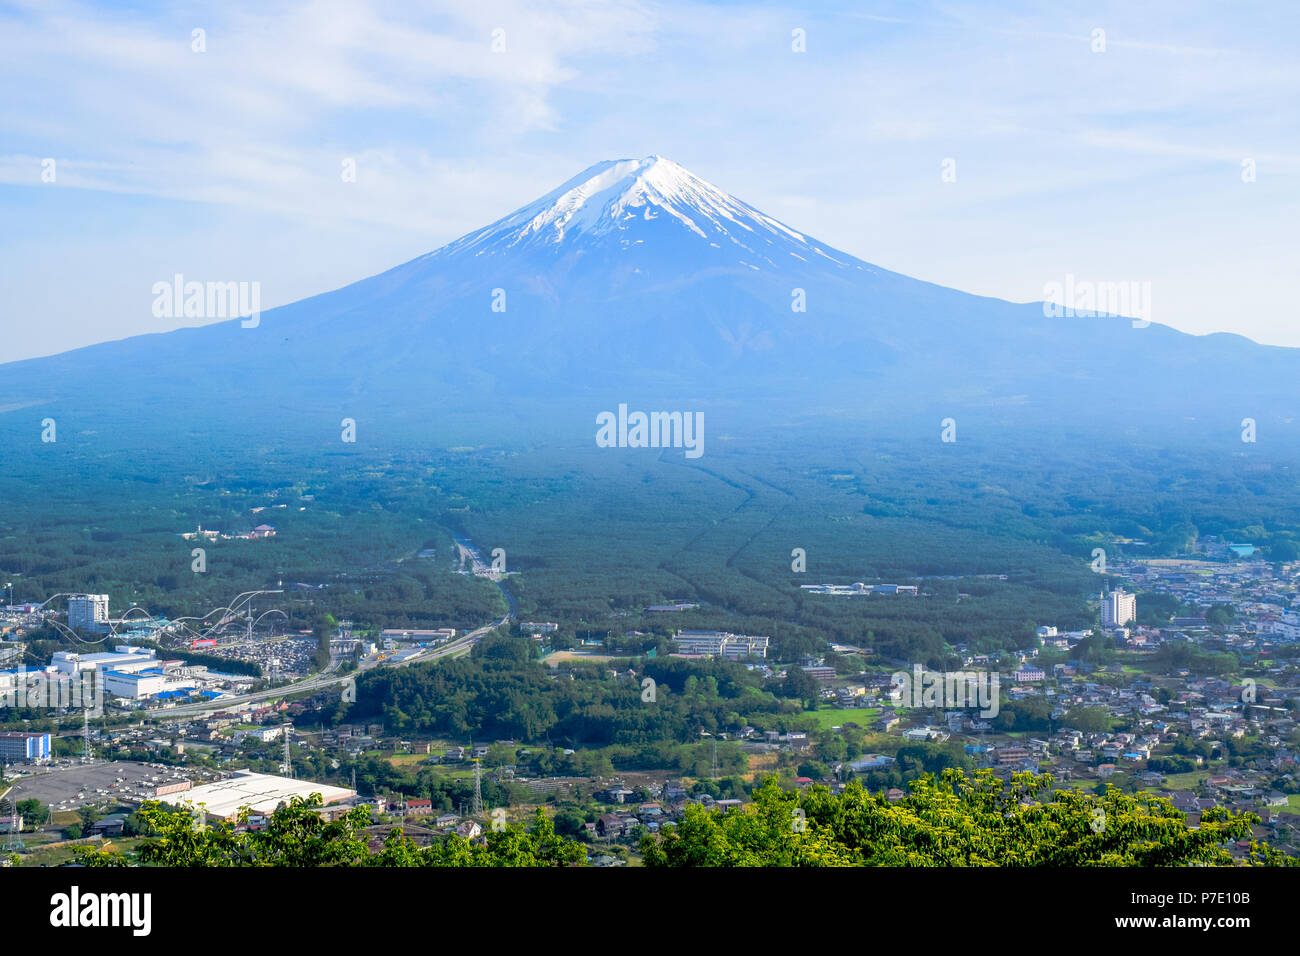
{"x": 638, "y": 281}
{"x": 630, "y": 201}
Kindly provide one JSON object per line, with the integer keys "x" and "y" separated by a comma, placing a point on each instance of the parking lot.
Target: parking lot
{"x": 76, "y": 785}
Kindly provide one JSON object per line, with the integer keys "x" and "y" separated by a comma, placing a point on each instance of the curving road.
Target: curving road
{"x": 326, "y": 678}
{"x": 330, "y": 678}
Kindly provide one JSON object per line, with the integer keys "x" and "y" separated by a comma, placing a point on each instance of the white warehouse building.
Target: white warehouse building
{"x": 122, "y": 658}
{"x": 145, "y": 683}
{"x": 258, "y": 792}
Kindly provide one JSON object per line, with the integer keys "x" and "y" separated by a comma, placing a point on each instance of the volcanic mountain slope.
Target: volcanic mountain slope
{"x": 638, "y": 281}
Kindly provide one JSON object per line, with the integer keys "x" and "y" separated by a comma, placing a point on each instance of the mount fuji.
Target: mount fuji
{"x": 638, "y": 281}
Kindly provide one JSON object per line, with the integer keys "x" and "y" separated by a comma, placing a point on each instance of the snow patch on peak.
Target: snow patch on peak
{"x": 621, "y": 196}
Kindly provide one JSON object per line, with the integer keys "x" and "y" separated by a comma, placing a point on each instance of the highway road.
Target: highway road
{"x": 327, "y": 678}
{"x": 330, "y": 677}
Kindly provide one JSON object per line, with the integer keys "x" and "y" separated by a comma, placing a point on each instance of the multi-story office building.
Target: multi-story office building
{"x": 1118, "y": 608}
{"x": 22, "y": 747}
{"x": 88, "y": 612}
{"x": 724, "y": 644}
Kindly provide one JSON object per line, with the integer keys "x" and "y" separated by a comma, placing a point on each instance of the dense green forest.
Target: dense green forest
{"x": 997, "y": 538}
{"x": 500, "y": 694}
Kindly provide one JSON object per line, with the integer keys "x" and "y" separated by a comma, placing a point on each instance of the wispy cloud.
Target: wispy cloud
{"x": 455, "y": 113}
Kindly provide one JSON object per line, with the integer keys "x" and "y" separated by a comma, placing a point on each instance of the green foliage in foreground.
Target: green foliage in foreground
{"x": 952, "y": 820}
{"x": 955, "y": 820}
{"x": 295, "y": 835}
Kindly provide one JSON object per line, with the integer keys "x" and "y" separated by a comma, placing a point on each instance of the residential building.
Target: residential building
{"x": 1118, "y": 608}
{"x": 820, "y": 672}
{"x": 88, "y": 612}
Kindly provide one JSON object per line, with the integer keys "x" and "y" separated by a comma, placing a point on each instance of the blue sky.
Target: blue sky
{"x": 1119, "y": 165}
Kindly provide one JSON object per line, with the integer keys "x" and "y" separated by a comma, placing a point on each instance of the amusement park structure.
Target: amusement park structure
{"x": 235, "y": 623}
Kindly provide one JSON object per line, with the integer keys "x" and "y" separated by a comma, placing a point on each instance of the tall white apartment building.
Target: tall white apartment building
{"x": 88, "y": 612}
{"x": 1118, "y": 608}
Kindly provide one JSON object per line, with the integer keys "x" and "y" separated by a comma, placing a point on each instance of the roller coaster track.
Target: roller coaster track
{"x": 230, "y": 613}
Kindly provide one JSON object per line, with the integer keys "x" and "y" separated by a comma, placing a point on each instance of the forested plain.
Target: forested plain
{"x": 998, "y": 538}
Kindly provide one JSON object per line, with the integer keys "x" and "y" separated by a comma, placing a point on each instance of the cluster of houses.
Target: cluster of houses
{"x": 1264, "y": 596}
{"x": 625, "y": 818}
{"x": 622, "y": 821}
{"x": 1206, "y": 711}
{"x": 421, "y": 821}
{"x": 459, "y": 754}
{"x": 222, "y": 733}
{"x": 377, "y": 834}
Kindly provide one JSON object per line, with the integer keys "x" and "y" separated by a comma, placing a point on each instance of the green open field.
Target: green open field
{"x": 826, "y": 719}
{"x": 1186, "y": 781}
{"x": 406, "y": 760}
